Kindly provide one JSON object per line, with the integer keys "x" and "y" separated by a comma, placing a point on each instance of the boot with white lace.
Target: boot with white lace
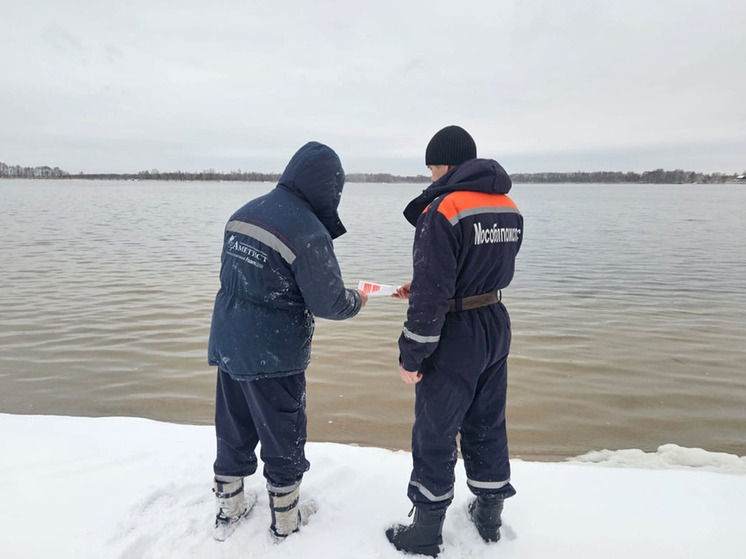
{"x": 231, "y": 506}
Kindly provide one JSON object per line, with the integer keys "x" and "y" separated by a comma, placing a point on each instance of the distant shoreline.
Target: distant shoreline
{"x": 658, "y": 176}
{"x": 350, "y": 180}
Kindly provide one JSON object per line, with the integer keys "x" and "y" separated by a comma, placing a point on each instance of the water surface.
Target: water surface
{"x": 628, "y": 311}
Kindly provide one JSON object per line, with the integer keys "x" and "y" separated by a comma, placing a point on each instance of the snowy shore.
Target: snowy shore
{"x": 136, "y": 488}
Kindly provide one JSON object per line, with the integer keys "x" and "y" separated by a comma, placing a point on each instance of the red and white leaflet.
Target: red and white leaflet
{"x": 376, "y": 289}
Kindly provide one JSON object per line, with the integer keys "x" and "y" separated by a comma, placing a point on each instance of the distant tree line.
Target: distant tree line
{"x": 658, "y": 176}
{"x": 8, "y": 171}
{"x": 18, "y": 172}
{"x": 384, "y": 177}
{"x": 207, "y": 175}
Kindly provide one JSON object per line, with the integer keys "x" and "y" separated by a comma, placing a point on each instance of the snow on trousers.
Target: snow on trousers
{"x": 463, "y": 390}
{"x": 271, "y": 411}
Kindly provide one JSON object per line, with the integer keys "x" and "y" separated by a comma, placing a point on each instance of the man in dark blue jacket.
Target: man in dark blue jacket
{"x": 455, "y": 341}
{"x": 278, "y": 272}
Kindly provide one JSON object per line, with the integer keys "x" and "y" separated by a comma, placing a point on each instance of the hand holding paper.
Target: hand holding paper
{"x": 363, "y": 298}
{"x": 377, "y": 289}
{"x": 402, "y": 292}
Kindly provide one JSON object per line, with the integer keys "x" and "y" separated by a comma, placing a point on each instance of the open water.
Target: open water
{"x": 628, "y": 309}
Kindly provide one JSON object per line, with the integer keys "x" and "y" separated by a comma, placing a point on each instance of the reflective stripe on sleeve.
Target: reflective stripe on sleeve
{"x": 487, "y": 484}
{"x": 420, "y": 339}
{"x": 263, "y": 236}
{"x": 429, "y": 495}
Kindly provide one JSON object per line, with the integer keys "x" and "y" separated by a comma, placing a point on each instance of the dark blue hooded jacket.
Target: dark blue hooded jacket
{"x": 468, "y": 233}
{"x": 279, "y": 271}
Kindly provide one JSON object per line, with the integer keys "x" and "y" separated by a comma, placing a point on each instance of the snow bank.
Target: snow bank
{"x": 135, "y": 488}
{"x": 668, "y": 457}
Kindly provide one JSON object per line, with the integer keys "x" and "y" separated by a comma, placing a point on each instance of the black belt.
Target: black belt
{"x": 475, "y": 301}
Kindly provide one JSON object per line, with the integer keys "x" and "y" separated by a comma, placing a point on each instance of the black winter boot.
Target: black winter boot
{"x": 423, "y": 536}
{"x": 485, "y": 515}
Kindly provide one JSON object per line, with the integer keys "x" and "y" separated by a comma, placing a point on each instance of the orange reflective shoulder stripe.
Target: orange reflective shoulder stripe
{"x": 470, "y": 203}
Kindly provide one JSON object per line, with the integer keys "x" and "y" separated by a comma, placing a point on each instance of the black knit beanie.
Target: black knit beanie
{"x": 450, "y": 146}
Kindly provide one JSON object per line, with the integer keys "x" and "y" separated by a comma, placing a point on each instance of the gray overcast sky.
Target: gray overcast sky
{"x": 542, "y": 85}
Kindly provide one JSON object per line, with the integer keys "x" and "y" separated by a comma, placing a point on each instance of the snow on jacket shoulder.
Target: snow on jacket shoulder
{"x": 279, "y": 270}
{"x": 468, "y": 233}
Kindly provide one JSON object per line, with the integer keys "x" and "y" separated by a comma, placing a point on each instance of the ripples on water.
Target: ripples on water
{"x": 628, "y": 311}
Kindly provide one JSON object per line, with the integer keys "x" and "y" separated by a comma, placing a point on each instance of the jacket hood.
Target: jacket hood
{"x": 477, "y": 175}
{"x": 315, "y": 175}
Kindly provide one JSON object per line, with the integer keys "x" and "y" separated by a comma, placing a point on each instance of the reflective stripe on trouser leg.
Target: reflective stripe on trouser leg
{"x": 429, "y": 494}
{"x": 493, "y": 486}
{"x": 439, "y": 407}
{"x": 484, "y": 440}
{"x": 463, "y": 376}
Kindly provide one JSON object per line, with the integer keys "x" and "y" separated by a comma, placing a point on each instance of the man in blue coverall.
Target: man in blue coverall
{"x": 455, "y": 342}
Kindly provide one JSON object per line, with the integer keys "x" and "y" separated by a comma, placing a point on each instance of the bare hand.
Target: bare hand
{"x": 403, "y": 291}
{"x": 410, "y": 377}
{"x": 363, "y": 298}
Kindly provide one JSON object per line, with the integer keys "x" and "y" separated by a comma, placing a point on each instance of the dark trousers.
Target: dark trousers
{"x": 463, "y": 391}
{"x": 271, "y": 411}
